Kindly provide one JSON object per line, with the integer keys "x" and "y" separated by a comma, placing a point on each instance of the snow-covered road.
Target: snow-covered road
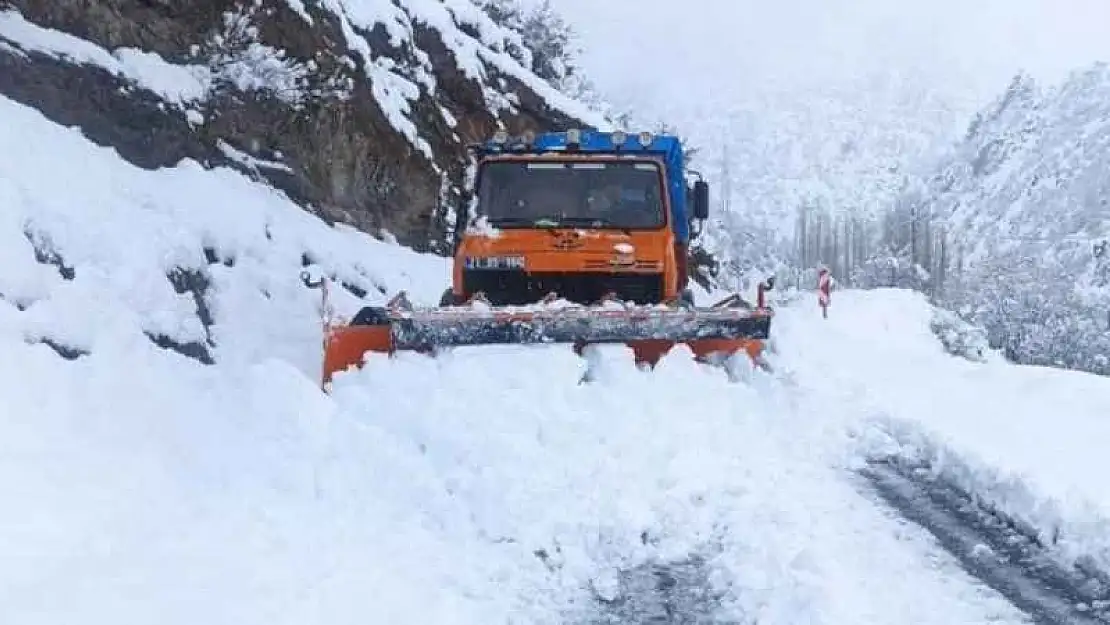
{"x": 1002, "y": 463}
{"x": 745, "y": 473}
{"x": 483, "y": 486}
{"x": 1029, "y": 440}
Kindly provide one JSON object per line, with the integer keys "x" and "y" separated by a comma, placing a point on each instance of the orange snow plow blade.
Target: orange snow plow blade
{"x": 650, "y": 332}
{"x": 346, "y": 346}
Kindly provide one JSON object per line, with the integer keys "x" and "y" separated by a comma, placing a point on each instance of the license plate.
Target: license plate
{"x": 495, "y": 262}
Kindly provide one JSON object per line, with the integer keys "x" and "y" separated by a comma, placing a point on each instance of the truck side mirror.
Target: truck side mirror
{"x": 701, "y": 199}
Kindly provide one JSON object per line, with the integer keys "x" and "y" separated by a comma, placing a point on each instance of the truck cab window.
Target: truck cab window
{"x": 624, "y": 195}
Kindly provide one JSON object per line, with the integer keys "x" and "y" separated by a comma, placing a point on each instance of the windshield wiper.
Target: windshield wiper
{"x": 594, "y": 222}
{"x": 585, "y": 221}
{"x": 537, "y": 222}
{"x": 557, "y": 222}
{"x": 512, "y": 221}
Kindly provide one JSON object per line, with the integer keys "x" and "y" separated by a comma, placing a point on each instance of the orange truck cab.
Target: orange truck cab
{"x": 578, "y": 215}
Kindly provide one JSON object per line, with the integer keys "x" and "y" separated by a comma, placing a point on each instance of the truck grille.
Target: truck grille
{"x": 515, "y": 288}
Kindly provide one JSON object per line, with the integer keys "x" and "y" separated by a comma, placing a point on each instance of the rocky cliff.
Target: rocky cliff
{"x": 359, "y": 110}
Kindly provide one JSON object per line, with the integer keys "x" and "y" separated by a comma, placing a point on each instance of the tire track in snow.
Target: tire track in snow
{"x": 677, "y": 592}
{"x": 992, "y": 548}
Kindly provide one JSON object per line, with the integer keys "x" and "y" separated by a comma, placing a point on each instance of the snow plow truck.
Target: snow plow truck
{"x": 575, "y": 237}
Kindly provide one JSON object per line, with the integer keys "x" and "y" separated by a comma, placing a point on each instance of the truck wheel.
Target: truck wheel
{"x": 448, "y": 299}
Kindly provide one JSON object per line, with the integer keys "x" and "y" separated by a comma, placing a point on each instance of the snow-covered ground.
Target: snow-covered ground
{"x": 1028, "y": 441}
{"x": 488, "y": 485}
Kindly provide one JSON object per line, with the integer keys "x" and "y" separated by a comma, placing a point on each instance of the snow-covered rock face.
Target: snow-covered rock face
{"x": 1024, "y": 200}
{"x": 359, "y": 110}
{"x": 95, "y": 253}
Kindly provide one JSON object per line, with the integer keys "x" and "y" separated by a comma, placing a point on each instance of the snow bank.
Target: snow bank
{"x": 139, "y": 489}
{"x": 1028, "y": 441}
{"x": 139, "y": 485}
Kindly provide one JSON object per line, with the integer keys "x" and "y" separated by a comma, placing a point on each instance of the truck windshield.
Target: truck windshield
{"x": 599, "y": 194}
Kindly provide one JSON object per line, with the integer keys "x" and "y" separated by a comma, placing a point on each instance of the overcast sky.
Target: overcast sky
{"x": 657, "y": 52}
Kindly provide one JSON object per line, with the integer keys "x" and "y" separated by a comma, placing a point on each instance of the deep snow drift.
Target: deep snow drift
{"x": 484, "y": 486}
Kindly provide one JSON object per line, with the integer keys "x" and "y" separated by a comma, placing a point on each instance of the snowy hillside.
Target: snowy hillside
{"x": 98, "y": 253}
{"x": 359, "y": 110}
{"x": 833, "y": 155}
{"x": 1021, "y": 205}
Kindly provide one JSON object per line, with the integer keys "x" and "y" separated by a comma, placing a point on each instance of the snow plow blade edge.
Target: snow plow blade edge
{"x": 650, "y": 332}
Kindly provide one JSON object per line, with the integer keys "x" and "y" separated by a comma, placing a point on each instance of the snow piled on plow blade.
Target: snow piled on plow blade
{"x": 429, "y": 329}
{"x": 712, "y": 334}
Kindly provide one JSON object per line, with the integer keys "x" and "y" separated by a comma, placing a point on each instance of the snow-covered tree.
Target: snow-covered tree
{"x": 1019, "y": 217}
{"x": 550, "y": 40}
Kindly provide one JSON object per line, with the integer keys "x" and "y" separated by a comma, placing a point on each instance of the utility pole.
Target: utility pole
{"x": 726, "y": 172}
